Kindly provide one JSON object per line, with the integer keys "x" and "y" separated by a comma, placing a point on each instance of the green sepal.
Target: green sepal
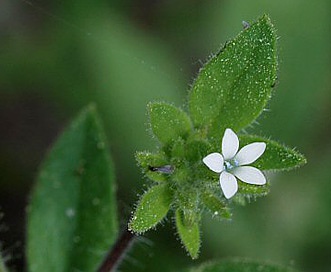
{"x": 147, "y": 161}
{"x": 151, "y": 209}
{"x": 168, "y": 122}
{"x": 189, "y": 233}
{"x": 276, "y": 156}
{"x": 233, "y": 87}
{"x": 216, "y": 206}
{"x": 239, "y": 265}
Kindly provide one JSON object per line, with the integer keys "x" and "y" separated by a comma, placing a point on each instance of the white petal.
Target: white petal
{"x": 250, "y": 175}
{"x": 215, "y": 162}
{"x": 228, "y": 184}
{"x": 230, "y": 144}
{"x": 250, "y": 153}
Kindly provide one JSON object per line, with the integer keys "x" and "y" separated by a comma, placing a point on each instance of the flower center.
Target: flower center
{"x": 229, "y": 165}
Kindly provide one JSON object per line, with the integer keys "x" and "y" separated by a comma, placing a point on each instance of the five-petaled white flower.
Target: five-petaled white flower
{"x": 231, "y": 163}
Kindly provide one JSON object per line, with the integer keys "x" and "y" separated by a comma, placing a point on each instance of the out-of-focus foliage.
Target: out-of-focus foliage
{"x": 56, "y": 57}
{"x": 72, "y": 217}
{"x": 2, "y": 265}
{"x": 239, "y": 265}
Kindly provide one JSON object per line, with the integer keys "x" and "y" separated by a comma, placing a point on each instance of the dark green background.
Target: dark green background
{"x": 57, "y": 56}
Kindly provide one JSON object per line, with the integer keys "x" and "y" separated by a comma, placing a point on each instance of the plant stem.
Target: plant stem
{"x": 117, "y": 252}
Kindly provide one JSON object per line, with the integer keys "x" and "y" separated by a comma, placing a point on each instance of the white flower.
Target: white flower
{"x": 231, "y": 163}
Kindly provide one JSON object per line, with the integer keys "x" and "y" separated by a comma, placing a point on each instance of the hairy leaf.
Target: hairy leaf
{"x": 168, "y": 122}
{"x": 189, "y": 233}
{"x": 217, "y": 207}
{"x": 276, "y": 156}
{"x": 233, "y": 88}
{"x": 151, "y": 209}
{"x": 150, "y": 163}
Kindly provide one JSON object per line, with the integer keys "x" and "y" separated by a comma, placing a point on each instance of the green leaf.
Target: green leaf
{"x": 252, "y": 191}
{"x": 72, "y": 218}
{"x": 196, "y": 149}
{"x": 239, "y": 265}
{"x": 276, "y": 156}
{"x": 151, "y": 209}
{"x": 187, "y": 198}
{"x": 149, "y": 161}
{"x": 168, "y": 122}
{"x": 217, "y": 207}
{"x": 189, "y": 233}
{"x": 233, "y": 88}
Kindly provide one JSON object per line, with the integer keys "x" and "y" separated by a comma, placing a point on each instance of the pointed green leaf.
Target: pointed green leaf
{"x": 72, "y": 218}
{"x": 276, "y": 156}
{"x": 233, "y": 88}
{"x": 149, "y": 161}
{"x": 168, "y": 122}
{"x": 217, "y": 207}
{"x": 189, "y": 233}
{"x": 240, "y": 265}
{"x": 151, "y": 209}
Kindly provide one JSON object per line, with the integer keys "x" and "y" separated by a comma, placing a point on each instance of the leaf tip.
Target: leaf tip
{"x": 151, "y": 209}
{"x": 189, "y": 234}
{"x": 302, "y": 160}
{"x": 132, "y": 226}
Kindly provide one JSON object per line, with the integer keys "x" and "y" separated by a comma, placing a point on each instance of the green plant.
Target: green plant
{"x": 230, "y": 92}
{"x": 72, "y": 218}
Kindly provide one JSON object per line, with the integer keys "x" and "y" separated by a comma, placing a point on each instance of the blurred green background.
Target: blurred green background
{"x": 57, "y": 56}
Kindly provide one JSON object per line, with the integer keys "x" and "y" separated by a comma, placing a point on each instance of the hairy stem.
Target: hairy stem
{"x": 117, "y": 252}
